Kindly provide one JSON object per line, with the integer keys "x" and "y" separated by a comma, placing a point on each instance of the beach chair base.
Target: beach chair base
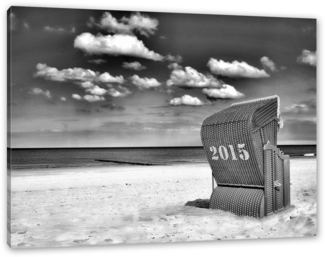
{"x": 258, "y": 200}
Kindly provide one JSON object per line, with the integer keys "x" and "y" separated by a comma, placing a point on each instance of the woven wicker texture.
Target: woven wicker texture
{"x": 274, "y": 167}
{"x": 241, "y": 201}
{"x": 252, "y": 174}
{"x": 247, "y": 126}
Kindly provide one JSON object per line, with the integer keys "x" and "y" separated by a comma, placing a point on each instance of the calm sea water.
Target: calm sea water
{"x": 65, "y": 157}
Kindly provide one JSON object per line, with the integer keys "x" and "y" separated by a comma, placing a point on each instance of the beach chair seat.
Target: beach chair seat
{"x": 252, "y": 174}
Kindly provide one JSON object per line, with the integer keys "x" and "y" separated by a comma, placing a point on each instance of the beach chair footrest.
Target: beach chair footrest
{"x": 240, "y": 201}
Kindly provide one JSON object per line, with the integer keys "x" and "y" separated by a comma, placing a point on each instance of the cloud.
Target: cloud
{"x": 96, "y": 90}
{"x": 87, "y": 84}
{"x": 145, "y": 83}
{"x": 26, "y": 25}
{"x": 137, "y": 22}
{"x": 174, "y": 66}
{"x": 38, "y": 91}
{"x": 268, "y": 64}
{"x": 191, "y": 78}
{"x": 63, "y": 99}
{"x": 112, "y": 107}
{"x": 50, "y": 73}
{"x": 235, "y": 69}
{"x": 107, "y": 78}
{"x": 59, "y": 29}
{"x": 186, "y": 100}
{"x": 76, "y": 96}
{"x": 172, "y": 58}
{"x": 298, "y": 130}
{"x": 14, "y": 23}
{"x": 87, "y": 79}
{"x": 93, "y": 98}
{"x": 305, "y": 107}
{"x": 121, "y": 92}
{"x": 115, "y": 45}
{"x": 307, "y": 57}
{"x": 226, "y": 91}
{"x": 97, "y": 61}
{"x": 74, "y": 74}
{"x": 133, "y": 66}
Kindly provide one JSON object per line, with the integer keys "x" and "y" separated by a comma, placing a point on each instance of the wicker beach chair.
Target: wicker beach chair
{"x": 252, "y": 174}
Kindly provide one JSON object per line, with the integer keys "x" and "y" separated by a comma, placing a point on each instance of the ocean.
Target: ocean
{"x": 75, "y": 157}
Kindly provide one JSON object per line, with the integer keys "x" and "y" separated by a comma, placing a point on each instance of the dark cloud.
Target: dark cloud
{"x": 84, "y": 111}
{"x": 298, "y": 130}
{"x": 312, "y": 90}
{"x": 112, "y": 107}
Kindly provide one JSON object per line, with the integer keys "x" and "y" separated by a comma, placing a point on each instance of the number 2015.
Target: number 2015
{"x": 224, "y": 154}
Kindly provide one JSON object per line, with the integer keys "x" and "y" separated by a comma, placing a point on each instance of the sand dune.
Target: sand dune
{"x": 143, "y": 204}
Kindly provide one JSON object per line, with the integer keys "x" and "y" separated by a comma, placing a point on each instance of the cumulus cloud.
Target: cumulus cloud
{"x": 96, "y": 90}
{"x": 97, "y": 61}
{"x": 87, "y": 84}
{"x": 226, "y": 91}
{"x": 133, "y": 66}
{"x": 114, "y": 45}
{"x": 50, "y": 73}
{"x": 93, "y": 98}
{"x": 76, "y": 96}
{"x": 172, "y": 58}
{"x": 192, "y": 78}
{"x": 307, "y": 57}
{"x": 145, "y": 83}
{"x": 107, "y": 78}
{"x": 174, "y": 66}
{"x": 186, "y": 100}
{"x": 268, "y": 64}
{"x": 121, "y": 92}
{"x": 235, "y": 69}
{"x": 89, "y": 80}
{"x": 74, "y": 74}
{"x": 38, "y": 91}
{"x": 137, "y": 22}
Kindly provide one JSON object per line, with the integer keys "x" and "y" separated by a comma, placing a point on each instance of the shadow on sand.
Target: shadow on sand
{"x": 199, "y": 203}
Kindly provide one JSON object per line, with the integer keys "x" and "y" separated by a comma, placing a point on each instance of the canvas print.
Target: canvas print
{"x": 128, "y": 127}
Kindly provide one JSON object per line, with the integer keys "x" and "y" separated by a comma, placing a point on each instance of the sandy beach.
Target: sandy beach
{"x": 143, "y": 204}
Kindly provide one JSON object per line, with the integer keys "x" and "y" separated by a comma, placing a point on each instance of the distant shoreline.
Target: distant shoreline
{"x": 138, "y": 147}
{"x": 92, "y": 157}
{"x": 114, "y": 164}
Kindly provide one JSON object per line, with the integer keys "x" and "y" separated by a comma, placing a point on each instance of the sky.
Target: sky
{"x": 104, "y": 78}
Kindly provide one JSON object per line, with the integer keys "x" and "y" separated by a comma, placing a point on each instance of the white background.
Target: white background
{"x": 270, "y": 247}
